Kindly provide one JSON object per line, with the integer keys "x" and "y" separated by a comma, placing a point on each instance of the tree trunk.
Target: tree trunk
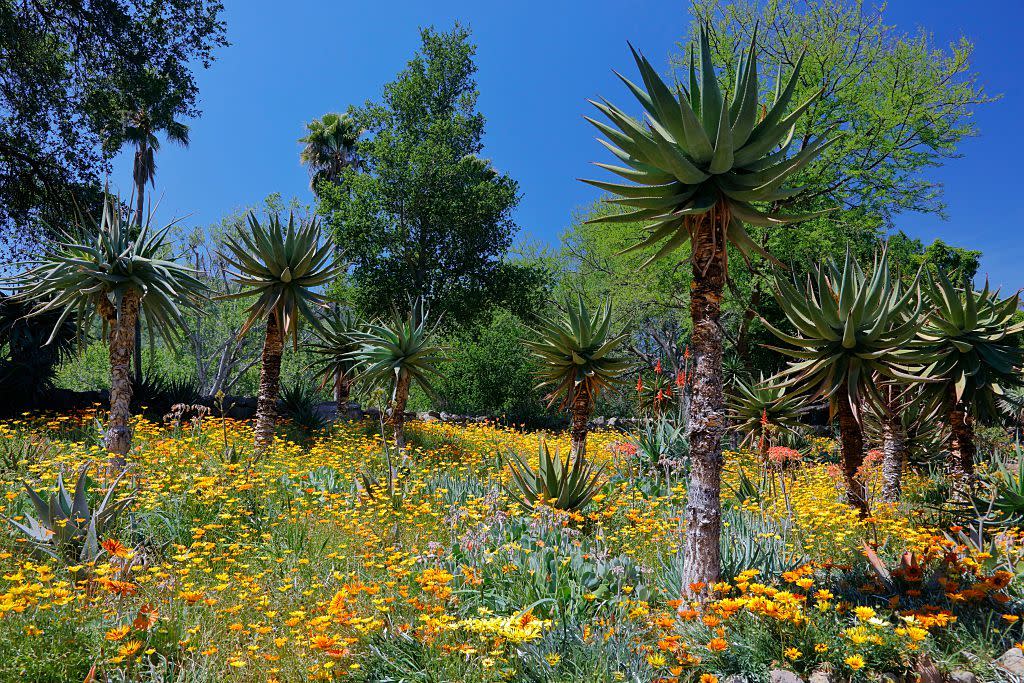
{"x": 118, "y": 439}
{"x": 140, "y": 186}
{"x": 270, "y": 385}
{"x": 342, "y": 392}
{"x": 396, "y": 411}
{"x": 580, "y": 414}
{"x": 961, "y": 446}
{"x": 701, "y": 555}
{"x": 852, "y": 442}
{"x": 894, "y": 445}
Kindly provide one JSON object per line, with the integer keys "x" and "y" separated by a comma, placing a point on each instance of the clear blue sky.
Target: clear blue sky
{"x": 538, "y": 63}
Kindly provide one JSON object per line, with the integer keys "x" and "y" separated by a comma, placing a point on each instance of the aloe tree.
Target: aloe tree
{"x": 755, "y": 408}
{"x": 698, "y": 164}
{"x": 395, "y": 354}
{"x": 575, "y": 350}
{"x": 907, "y": 426}
{"x": 852, "y": 334}
{"x": 283, "y": 266}
{"x": 976, "y": 337}
{"x": 120, "y": 272}
{"x": 335, "y": 345}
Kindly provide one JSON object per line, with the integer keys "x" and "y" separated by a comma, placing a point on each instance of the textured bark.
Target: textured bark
{"x": 851, "y": 440}
{"x": 702, "y": 554}
{"x": 270, "y": 385}
{"x": 961, "y": 445}
{"x": 894, "y": 446}
{"x": 118, "y": 439}
{"x": 342, "y": 393}
{"x": 396, "y": 411}
{"x": 580, "y": 412}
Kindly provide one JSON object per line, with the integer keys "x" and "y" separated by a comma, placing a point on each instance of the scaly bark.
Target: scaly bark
{"x": 396, "y": 411}
{"x": 702, "y": 554}
{"x": 961, "y": 445}
{"x": 851, "y": 440}
{"x": 342, "y": 392}
{"x": 894, "y": 448}
{"x": 270, "y": 385}
{"x": 118, "y": 439}
{"x": 580, "y": 416}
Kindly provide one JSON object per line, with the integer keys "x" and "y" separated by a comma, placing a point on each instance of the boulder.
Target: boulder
{"x": 783, "y": 676}
{"x": 823, "y": 674}
{"x": 1012, "y": 661}
{"x": 962, "y": 677}
{"x": 926, "y": 670}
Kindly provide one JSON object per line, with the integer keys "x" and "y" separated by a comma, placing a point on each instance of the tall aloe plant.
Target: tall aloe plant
{"x": 698, "y": 165}
{"x": 976, "y": 337}
{"x": 118, "y": 271}
{"x": 283, "y": 266}
{"x": 335, "y": 346}
{"x": 852, "y": 332}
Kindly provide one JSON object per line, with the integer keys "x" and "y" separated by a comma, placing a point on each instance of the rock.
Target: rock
{"x": 823, "y": 674}
{"x": 612, "y": 423}
{"x": 1012, "y": 661}
{"x": 783, "y": 676}
{"x": 962, "y": 677}
{"x": 733, "y": 678}
{"x": 926, "y": 670}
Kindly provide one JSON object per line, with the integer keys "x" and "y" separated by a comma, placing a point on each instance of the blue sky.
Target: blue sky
{"x": 538, "y": 64}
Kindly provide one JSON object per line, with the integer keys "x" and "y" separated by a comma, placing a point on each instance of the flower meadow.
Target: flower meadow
{"x": 314, "y": 563}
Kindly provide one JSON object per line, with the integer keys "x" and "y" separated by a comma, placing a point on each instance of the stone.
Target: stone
{"x": 783, "y": 676}
{"x": 926, "y": 670}
{"x": 1012, "y": 661}
{"x": 823, "y": 674}
{"x": 962, "y": 677}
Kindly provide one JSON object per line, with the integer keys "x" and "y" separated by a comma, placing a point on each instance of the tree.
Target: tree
{"x": 427, "y": 217}
{"x": 575, "y": 353}
{"x": 394, "y": 355}
{"x": 283, "y": 266}
{"x": 852, "y": 334}
{"x": 330, "y": 148}
{"x": 698, "y": 162}
{"x": 120, "y": 272}
{"x": 67, "y": 71}
{"x": 976, "y": 339}
{"x": 336, "y": 346}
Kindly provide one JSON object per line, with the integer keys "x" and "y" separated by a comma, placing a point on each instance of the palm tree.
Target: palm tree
{"x": 977, "y": 341}
{"x": 852, "y": 332}
{"x": 330, "y": 148}
{"x": 119, "y": 273}
{"x": 283, "y": 266}
{"x": 575, "y": 353}
{"x": 396, "y": 353}
{"x": 336, "y": 345}
{"x": 697, "y": 162}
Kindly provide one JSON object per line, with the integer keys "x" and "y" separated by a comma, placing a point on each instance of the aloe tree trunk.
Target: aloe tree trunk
{"x": 851, "y": 441}
{"x": 580, "y": 419}
{"x": 894, "y": 447}
{"x": 342, "y": 392}
{"x": 270, "y": 385}
{"x": 140, "y": 203}
{"x": 702, "y": 554}
{"x": 118, "y": 439}
{"x": 396, "y": 411}
{"x": 961, "y": 444}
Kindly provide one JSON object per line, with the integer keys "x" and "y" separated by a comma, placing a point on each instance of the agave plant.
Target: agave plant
{"x": 699, "y": 166}
{"x": 568, "y": 484}
{"x": 283, "y": 266}
{"x": 334, "y": 346}
{"x": 66, "y": 528}
{"x": 395, "y": 354}
{"x": 120, "y": 272}
{"x": 757, "y": 409}
{"x": 977, "y": 341}
{"x": 576, "y": 362}
{"x": 852, "y": 331}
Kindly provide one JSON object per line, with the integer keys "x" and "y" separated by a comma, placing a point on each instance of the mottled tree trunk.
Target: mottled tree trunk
{"x": 342, "y": 392}
{"x": 270, "y": 385}
{"x": 701, "y": 555}
{"x": 894, "y": 446}
{"x": 961, "y": 446}
{"x": 580, "y": 418}
{"x": 396, "y": 411}
{"x": 118, "y": 439}
{"x": 851, "y": 440}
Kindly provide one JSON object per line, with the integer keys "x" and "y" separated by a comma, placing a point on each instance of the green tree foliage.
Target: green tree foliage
{"x": 70, "y": 70}
{"x": 427, "y": 217}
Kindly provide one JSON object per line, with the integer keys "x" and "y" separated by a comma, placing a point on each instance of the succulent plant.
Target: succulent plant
{"x": 568, "y": 484}
{"x": 751, "y": 405}
{"x": 66, "y": 528}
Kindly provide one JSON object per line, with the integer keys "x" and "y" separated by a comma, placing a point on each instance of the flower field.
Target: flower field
{"x": 314, "y": 564}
